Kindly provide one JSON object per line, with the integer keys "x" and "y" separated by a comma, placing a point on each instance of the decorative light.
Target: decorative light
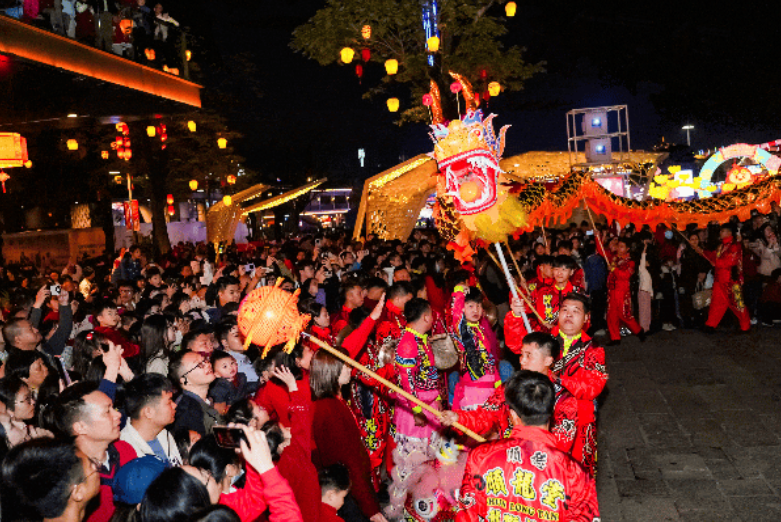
{"x": 227, "y": 201}
{"x": 231, "y": 179}
{"x": 191, "y": 125}
{"x": 193, "y": 185}
{"x": 128, "y": 154}
{"x": 366, "y": 32}
{"x": 222, "y": 143}
{"x": 359, "y": 70}
{"x": 150, "y": 54}
{"x": 126, "y": 26}
{"x": 366, "y": 55}
{"x": 433, "y": 44}
{"x": 73, "y": 115}
{"x": 347, "y": 55}
{"x": 72, "y": 144}
{"x": 188, "y": 54}
{"x": 150, "y": 131}
{"x": 3, "y": 178}
{"x": 170, "y": 210}
{"x": 118, "y": 180}
{"x": 393, "y": 104}
{"x": 28, "y": 164}
{"x": 494, "y": 88}
{"x": 391, "y": 66}
{"x": 510, "y": 8}
{"x": 104, "y": 154}
{"x": 169, "y": 199}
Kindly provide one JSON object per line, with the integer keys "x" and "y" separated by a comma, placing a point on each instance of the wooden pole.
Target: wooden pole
{"x": 698, "y": 250}
{"x": 521, "y": 294}
{"x": 358, "y": 366}
{"x": 594, "y": 228}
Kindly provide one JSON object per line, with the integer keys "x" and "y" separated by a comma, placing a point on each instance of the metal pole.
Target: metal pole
{"x": 512, "y": 284}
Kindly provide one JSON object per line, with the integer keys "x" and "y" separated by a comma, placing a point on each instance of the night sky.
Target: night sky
{"x": 672, "y": 62}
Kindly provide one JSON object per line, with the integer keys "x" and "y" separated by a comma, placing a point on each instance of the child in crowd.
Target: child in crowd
{"x": 227, "y": 334}
{"x": 105, "y": 314}
{"x": 230, "y": 385}
{"x": 334, "y": 487}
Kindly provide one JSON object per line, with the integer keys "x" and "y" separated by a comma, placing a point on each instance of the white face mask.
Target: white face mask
{"x": 178, "y": 337}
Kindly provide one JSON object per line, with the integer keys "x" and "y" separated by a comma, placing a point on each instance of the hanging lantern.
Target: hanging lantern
{"x": 269, "y": 316}
{"x": 227, "y": 200}
{"x": 174, "y": 71}
{"x": 191, "y": 125}
{"x": 126, "y": 26}
{"x": 3, "y": 178}
{"x": 486, "y": 96}
{"x": 193, "y": 185}
{"x": 510, "y": 8}
{"x": 13, "y": 150}
{"x": 391, "y": 66}
{"x": 231, "y": 179}
{"x": 104, "y": 154}
{"x": 483, "y": 74}
{"x": 366, "y": 55}
{"x": 118, "y": 180}
{"x": 427, "y": 100}
{"x": 119, "y": 142}
{"x": 393, "y": 104}
{"x": 188, "y": 54}
{"x": 347, "y": 55}
{"x": 456, "y": 87}
{"x": 433, "y": 44}
{"x": 366, "y": 32}
{"x": 150, "y": 54}
{"x": 170, "y": 210}
{"x": 477, "y": 98}
{"x": 128, "y": 154}
{"x": 169, "y": 199}
{"x": 150, "y": 131}
{"x": 494, "y": 88}
{"x": 72, "y": 144}
{"x": 28, "y": 164}
{"x": 222, "y": 143}
{"x": 359, "y": 70}
{"x": 126, "y": 142}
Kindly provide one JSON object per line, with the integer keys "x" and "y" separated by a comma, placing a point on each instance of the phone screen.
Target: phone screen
{"x": 228, "y": 437}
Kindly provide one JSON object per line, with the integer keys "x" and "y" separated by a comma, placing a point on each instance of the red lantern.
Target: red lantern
{"x": 427, "y": 100}
{"x": 126, "y": 142}
{"x": 128, "y": 154}
{"x": 269, "y": 316}
{"x": 483, "y": 74}
{"x": 456, "y": 87}
{"x": 359, "y": 70}
{"x": 486, "y": 95}
{"x": 170, "y": 210}
{"x": 169, "y": 199}
{"x": 13, "y": 150}
{"x": 366, "y": 55}
{"x": 477, "y": 98}
{"x": 104, "y": 154}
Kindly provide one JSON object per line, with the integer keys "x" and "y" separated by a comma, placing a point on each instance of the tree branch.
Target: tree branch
{"x": 482, "y": 11}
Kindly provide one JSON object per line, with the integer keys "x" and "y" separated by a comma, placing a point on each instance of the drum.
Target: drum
{"x": 445, "y": 352}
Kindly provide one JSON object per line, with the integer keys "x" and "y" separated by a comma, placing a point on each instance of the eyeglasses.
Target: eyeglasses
{"x": 199, "y": 365}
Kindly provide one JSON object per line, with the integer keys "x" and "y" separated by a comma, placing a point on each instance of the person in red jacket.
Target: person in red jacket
{"x": 334, "y": 487}
{"x": 392, "y": 323}
{"x": 727, "y": 292}
{"x": 274, "y": 397}
{"x": 543, "y": 267}
{"x": 525, "y": 477}
{"x": 547, "y": 298}
{"x": 619, "y": 296}
{"x": 539, "y": 352}
{"x": 581, "y": 370}
{"x": 354, "y": 294}
{"x": 108, "y": 319}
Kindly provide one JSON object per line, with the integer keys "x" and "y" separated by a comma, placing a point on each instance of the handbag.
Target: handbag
{"x": 701, "y": 299}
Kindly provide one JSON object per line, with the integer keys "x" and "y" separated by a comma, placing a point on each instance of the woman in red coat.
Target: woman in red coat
{"x": 336, "y": 432}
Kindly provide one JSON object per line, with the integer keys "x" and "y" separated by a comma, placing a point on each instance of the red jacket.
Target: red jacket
{"x": 495, "y": 415}
{"x": 295, "y": 465}
{"x": 728, "y": 255}
{"x": 322, "y": 334}
{"x": 338, "y": 439}
{"x": 275, "y": 399}
{"x": 547, "y": 300}
{"x": 339, "y": 320}
{"x": 582, "y": 372}
{"x": 113, "y": 335}
{"x": 391, "y": 325}
{"x": 328, "y": 514}
{"x": 261, "y": 492}
{"x": 119, "y": 454}
{"x": 515, "y": 331}
{"x": 524, "y": 477}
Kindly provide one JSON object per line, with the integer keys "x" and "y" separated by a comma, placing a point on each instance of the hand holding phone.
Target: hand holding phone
{"x": 228, "y": 437}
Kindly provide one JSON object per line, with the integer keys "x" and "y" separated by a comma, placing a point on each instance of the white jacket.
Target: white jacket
{"x": 646, "y": 283}
{"x": 131, "y": 436}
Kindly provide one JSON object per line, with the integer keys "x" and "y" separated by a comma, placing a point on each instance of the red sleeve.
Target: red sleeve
{"x": 565, "y": 421}
{"x": 514, "y": 332}
{"x": 436, "y": 295}
{"x": 278, "y": 400}
{"x": 625, "y": 269}
{"x": 471, "y": 503}
{"x": 457, "y": 310}
{"x": 260, "y": 492}
{"x": 588, "y": 381}
{"x": 406, "y": 354}
{"x": 582, "y": 505}
{"x": 300, "y": 421}
{"x": 487, "y": 417}
{"x": 126, "y": 452}
{"x": 356, "y": 341}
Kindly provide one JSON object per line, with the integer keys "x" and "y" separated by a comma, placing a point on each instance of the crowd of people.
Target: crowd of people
{"x": 127, "y": 392}
{"x": 130, "y": 28}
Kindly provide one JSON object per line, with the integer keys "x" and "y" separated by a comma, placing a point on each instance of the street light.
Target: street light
{"x": 688, "y": 129}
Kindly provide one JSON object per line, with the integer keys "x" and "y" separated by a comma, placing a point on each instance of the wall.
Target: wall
{"x": 54, "y": 247}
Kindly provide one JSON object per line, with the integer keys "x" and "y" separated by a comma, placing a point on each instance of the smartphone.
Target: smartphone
{"x": 317, "y": 242}
{"x": 55, "y": 289}
{"x": 249, "y": 267}
{"x": 589, "y": 232}
{"x": 229, "y": 437}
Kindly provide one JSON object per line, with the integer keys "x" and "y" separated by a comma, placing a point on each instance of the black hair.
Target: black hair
{"x": 400, "y": 289}
{"x": 9, "y": 387}
{"x": 473, "y": 295}
{"x": 543, "y": 260}
{"x": 415, "y": 308}
{"x": 576, "y": 296}
{"x": 545, "y": 341}
{"x": 215, "y": 513}
{"x": 311, "y": 307}
{"x": 174, "y": 496}
{"x": 334, "y": 478}
{"x": 207, "y": 455}
{"x": 218, "y": 355}
{"x": 19, "y": 362}
{"x": 152, "y": 338}
{"x": 563, "y": 261}
{"x": 153, "y": 271}
{"x": 229, "y": 308}
{"x": 531, "y": 396}
{"x": 376, "y": 282}
{"x": 84, "y": 347}
{"x": 224, "y": 327}
{"x": 101, "y": 305}
{"x": 282, "y": 358}
{"x": 357, "y": 316}
{"x": 144, "y": 390}
{"x": 275, "y": 438}
{"x": 224, "y": 282}
{"x": 240, "y": 412}
{"x": 460, "y": 277}
{"x": 565, "y": 243}
{"x": 175, "y": 366}
{"x": 69, "y": 408}
{"x": 42, "y": 473}
{"x": 182, "y": 440}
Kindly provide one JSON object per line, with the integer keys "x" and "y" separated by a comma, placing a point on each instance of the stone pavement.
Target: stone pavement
{"x": 689, "y": 428}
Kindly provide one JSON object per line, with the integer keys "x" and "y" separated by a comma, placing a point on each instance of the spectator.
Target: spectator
{"x": 193, "y": 373}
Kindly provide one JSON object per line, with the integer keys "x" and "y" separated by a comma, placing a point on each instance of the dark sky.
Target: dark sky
{"x": 672, "y": 63}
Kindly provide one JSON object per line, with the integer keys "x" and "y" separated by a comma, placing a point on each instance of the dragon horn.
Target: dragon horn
{"x": 436, "y": 104}
{"x": 469, "y": 95}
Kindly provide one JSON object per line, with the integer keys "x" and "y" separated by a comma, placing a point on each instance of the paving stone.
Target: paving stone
{"x": 683, "y": 402}
{"x": 720, "y": 397}
{"x": 642, "y": 488}
{"x": 752, "y": 487}
{"x": 757, "y": 509}
{"x": 662, "y": 430}
{"x": 643, "y": 463}
{"x": 707, "y": 431}
{"x": 711, "y": 515}
{"x": 648, "y": 509}
{"x": 695, "y": 495}
{"x": 683, "y": 466}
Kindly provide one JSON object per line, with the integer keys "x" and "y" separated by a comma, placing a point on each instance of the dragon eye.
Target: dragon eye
{"x": 426, "y": 508}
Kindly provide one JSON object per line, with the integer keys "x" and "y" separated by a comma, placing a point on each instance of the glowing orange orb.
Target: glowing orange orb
{"x": 269, "y": 316}
{"x": 470, "y": 191}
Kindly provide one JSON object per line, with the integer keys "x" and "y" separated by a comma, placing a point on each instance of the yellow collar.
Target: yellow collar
{"x": 423, "y": 337}
{"x": 568, "y": 342}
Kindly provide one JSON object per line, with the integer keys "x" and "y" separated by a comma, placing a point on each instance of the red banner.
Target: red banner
{"x": 132, "y": 221}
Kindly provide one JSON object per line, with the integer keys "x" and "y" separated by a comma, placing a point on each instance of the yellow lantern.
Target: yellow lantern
{"x": 104, "y": 154}
{"x": 433, "y": 44}
{"x": 391, "y": 66}
{"x": 231, "y": 179}
{"x": 28, "y": 164}
{"x": 150, "y": 131}
{"x": 347, "y": 55}
{"x": 227, "y": 200}
{"x": 494, "y": 88}
{"x": 150, "y": 54}
{"x": 72, "y": 144}
{"x": 393, "y": 104}
{"x": 188, "y": 54}
{"x": 510, "y": 8}
{"x": 193, "y": 185}
{"x": 191, "y": 126}
{"x": 366, "y": 32}
{"x": 222, "y": 143}
{"x": 118, "y": 180}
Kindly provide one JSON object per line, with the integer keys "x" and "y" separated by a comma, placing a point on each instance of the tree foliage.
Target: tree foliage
{"x": 471, "y": 42}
